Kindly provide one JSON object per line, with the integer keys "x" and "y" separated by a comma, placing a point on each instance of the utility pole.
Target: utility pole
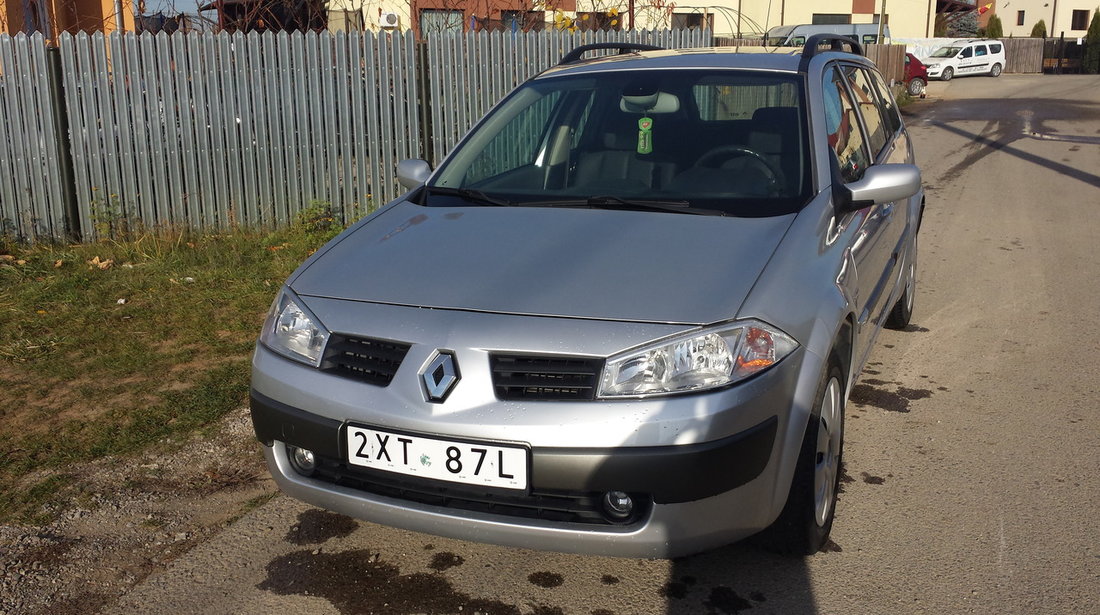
{"x": 881, "y": 22}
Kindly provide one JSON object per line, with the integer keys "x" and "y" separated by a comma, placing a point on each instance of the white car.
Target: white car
{"x": 966, "y": 57}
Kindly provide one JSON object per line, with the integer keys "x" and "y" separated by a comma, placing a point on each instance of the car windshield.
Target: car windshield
{"x": 694, "y": 141}
{"x": 945, "y": 52}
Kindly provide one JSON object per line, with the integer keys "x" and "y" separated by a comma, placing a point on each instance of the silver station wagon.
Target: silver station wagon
{"x": 622, "y": 317}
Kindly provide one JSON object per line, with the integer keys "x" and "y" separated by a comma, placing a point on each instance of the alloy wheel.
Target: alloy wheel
{"x": 830, "y": 435}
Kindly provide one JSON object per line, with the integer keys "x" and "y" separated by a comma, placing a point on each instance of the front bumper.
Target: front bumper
{"x": 668, "y": 474}
{"x": 707, "y": 469}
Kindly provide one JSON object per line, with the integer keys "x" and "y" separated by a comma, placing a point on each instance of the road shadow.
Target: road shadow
{"x": 1010, "y": 120}
{"x": 740, "y": 578}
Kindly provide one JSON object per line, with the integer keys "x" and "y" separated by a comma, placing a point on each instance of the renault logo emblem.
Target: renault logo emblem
{"x": 439, "y": 376}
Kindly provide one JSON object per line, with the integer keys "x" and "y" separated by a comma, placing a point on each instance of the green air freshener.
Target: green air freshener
{"x": 645, "y": 135}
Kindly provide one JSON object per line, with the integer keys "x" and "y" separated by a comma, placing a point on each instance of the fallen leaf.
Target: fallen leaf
{"x": 57, "y": 263}
{"x": 121, "y": 302}
{"x": 40, "y": 311}
{"x": 101, "y": 264}
{"x": 20, "y": 262}
{"x": 6, "y": 257}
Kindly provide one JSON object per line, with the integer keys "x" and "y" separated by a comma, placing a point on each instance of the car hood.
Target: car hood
{"x": 582, "y": 263}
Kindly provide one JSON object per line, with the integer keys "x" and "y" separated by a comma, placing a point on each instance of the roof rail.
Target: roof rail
{"x": 576, "y": 54}
{"x": 836, "y": 43}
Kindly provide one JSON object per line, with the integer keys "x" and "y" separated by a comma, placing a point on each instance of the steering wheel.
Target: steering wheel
{"x": 774, "y": 174}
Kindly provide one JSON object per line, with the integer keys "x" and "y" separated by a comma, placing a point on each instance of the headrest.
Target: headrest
{"x": 655, "y": 102}
{"x": 776, "y": 118}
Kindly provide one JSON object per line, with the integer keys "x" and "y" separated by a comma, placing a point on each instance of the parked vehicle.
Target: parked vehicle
{"x": 967, "y": 57}
{"x": 796, "y": 35}
{"x": 916, "y": 75}
{"x": 622, "y": 317}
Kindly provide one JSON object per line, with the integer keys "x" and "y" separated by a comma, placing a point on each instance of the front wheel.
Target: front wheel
{"x": 804, "y": 525}
{"x": 947, "y": 74}
{"x": 995, "y": 71}
{"x": 916, "y": 86}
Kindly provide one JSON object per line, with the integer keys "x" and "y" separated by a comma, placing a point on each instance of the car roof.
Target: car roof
{"x": 784, "y": 59}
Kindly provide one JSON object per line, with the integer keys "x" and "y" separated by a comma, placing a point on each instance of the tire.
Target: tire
{"x": 916, "y": 86}
{"x": 807, "y": 518}
{"x": 995, "y": 71}
{"x": 947, "y": 74}
{"x": 902, "y": 312}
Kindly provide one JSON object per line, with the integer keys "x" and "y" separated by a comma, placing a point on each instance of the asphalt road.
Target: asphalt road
{"x": 973, "y": 444}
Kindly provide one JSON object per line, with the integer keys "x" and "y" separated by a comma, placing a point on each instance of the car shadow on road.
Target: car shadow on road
{"x": 740, "y": 578}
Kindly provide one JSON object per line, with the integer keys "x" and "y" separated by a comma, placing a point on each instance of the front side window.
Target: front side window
{"x": 867, "y": 101}
{"x": 966, "y": 53}
{"x": 845, "y": 138}
{"x": 729, "y": 141}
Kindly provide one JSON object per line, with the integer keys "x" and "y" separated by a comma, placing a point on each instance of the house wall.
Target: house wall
{"x": 747, "y": 18}
{"x": 70, "y": 16}
{"x": 1057, "y": 14}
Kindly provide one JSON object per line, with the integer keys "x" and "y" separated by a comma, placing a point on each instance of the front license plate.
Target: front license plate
{"x": 485, "y": 465}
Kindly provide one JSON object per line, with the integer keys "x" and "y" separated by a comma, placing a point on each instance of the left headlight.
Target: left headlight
{"x": 293, "y": 332}
{"x": 706, "y": 359}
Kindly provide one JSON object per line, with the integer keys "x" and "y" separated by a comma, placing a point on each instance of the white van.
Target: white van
{"x": 796, "y": 35}
{"x": 966, "y": 57}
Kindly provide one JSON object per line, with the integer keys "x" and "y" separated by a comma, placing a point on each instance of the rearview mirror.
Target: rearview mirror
{"x": 413, "y": 173}
{"x": 884, "y": 183}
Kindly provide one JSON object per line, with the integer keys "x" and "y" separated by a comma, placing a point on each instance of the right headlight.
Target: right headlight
{"x": 292, "y": 331}
{"x": 707, "y": 359}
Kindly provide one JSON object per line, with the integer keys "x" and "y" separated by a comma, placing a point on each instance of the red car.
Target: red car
{"x": 916, "y": 76}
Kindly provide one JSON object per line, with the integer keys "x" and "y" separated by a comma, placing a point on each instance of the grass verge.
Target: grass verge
{"x": 109, "y": 348}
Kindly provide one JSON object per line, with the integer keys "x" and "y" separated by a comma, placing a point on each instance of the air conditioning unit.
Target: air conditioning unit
{"x": 389, "y": 20}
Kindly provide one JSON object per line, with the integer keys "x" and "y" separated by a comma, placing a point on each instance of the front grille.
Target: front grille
{"x": 559, "y": 506}
{"x": 370, "y": 360}
{"x": 520, "y": 377}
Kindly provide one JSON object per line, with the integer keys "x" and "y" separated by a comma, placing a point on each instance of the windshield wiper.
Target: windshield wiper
{"x": 475, "y": 196}
{"x": 683, "y": 207}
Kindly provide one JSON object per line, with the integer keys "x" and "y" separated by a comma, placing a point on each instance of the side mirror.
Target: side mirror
{"x": 413, "y": 173}
{"x": 884, "y": 183}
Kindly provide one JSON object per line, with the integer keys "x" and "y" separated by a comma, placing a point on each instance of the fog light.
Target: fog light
{"x": 302, "y": 460}
{"x": 617, "y": 505}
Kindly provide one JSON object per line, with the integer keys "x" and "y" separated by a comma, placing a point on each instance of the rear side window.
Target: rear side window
{"x": 980, "y": 50}
{"x": 995, "y": 48}
{"x": 889, "y": 106}
{"x": 846, "y": 139}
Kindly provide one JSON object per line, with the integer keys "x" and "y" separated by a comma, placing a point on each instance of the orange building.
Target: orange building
{"x": 52, "y": 17}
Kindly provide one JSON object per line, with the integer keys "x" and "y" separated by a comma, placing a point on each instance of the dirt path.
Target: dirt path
{"x": 129, "y": 518}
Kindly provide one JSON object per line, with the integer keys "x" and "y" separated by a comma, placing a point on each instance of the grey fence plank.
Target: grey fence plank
{"x": 356, "y": 45}
{"x": 78, "y": 144}
{"x": 14, "y": 210}
{"x": 33, "y": 159}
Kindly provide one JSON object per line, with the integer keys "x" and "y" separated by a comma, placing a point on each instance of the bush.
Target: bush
{"x": 1090, "y": 64}
{"x": 993, "y": 28}
{"x": 1039, "y": 30}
